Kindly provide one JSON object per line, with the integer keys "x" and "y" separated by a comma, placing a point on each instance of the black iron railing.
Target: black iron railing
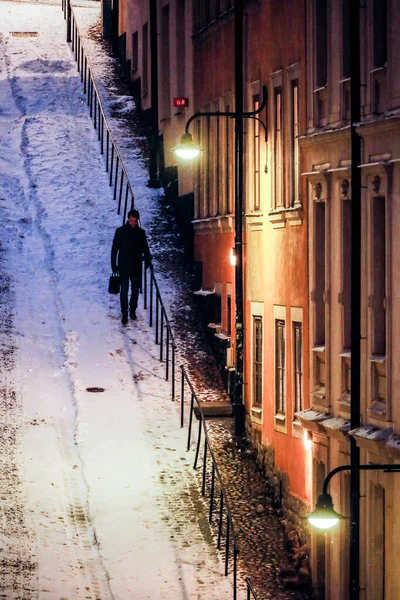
{"x": 123, "y": 192}
{"x": 250, "y": 591}
{"x": 158, "y": 318}
{"x": 211, "y": 482}
{"x": 219, "y": 502}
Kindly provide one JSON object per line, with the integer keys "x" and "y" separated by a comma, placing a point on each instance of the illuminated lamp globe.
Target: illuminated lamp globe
{"x": 324, "y": 516}
{"x": 187, "y": 149}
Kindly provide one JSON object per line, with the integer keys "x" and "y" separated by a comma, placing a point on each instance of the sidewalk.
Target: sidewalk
{"x": 258, "y": 528}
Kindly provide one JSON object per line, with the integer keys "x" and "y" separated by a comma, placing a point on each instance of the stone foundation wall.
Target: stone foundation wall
{"x": 290, "y": 509}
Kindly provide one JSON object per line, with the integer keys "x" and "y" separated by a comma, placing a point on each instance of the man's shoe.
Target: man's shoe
{"x": 132, "y": 315}
{"x": 124, "y": 319}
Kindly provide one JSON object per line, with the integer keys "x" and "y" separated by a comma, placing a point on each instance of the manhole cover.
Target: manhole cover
{"x": 95, "y": 390}
{"x": 23, "y": 34}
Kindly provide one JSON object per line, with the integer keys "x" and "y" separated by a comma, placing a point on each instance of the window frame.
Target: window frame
{"x": 280, "y": 371}
{"x": 256, "y": 314}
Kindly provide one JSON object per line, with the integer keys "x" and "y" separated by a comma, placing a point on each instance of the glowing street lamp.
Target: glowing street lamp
{"x": 324, "y": 516}
{"x": 187, "y": 149}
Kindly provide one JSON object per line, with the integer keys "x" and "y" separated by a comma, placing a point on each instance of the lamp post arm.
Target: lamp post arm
{"x": 390, "y": 468}
{"x": 246, "y": 115}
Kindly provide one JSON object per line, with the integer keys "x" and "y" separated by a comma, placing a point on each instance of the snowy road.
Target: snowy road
{"x": 98, "y": 499}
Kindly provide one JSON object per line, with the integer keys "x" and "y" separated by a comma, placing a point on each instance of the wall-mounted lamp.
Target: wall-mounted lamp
{"x": 187, "y": 149}
{"x": 307, "y": 440}
{"x": 324, "y": 516}
{"x": 232, "y": 257}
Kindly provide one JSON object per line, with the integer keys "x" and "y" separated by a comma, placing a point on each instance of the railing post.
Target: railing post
{"x": 116, "y": 177}
{"x": 182, "y": 397}
{"x": 235, "y": 553}
{"x": 145, "y": 288}
{"x": 190, "y": 422}
{"x": 227, "y": 544}
{"x": 121, "y": 183}
{"x": 85, "y": 76}
{"x": 167, "y": 355}
{"x": 68, "y": 21}
{"x": 107, "y": 149}
{"x": 99, "y": 122}
{"x": 112, "y": 163}
{"x": 221, "y": 516}
{"x": 203, "y": 485}
{"x": 198, "y": 444}
{"x": 126, "y": 202}
{"x": 157, "y": 309}
{"x": 151, "y": 298}
{"x": 162, "y": 334}
{"x": 102, "y": 134}
{"x": 212, "y": 492}
{"x": 173, "y": 371}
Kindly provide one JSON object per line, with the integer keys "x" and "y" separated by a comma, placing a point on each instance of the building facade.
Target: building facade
{"x": 326, "y": 150}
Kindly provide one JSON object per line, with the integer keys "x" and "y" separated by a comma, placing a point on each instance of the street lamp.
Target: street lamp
{"x": 187, "y": 150}
{"x": 324, "y": 516}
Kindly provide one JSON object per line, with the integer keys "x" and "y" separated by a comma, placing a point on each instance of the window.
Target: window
{"x": 208, "y": 160}
{"x": 229, "y": 314}
{"x": 378, "y": 276}
{"x": 321, "y": 42}
{"x": 278, "y": 148}
{"x": 256, "y": 155}
{"x": 295, "y": 151}
{"x": 379, "y": 24}
{"x": 346, "y": 273}
{"x": 198, "y": 188}
{"x": 180, "y": 48}
{"x": 280, "y": 366}
{"x": 145, "y": 60}
{"x": 228, "y": 125}
{"x": 319, "y": 274}
{"x": 257, "y": 360}
{"x": 135, "y": 51}
{"x": 165, "y": 63}
{"x": 298, "y": 365}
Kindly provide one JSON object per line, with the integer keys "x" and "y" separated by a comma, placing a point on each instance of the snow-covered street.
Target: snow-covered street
{"x": 98, "y": 498}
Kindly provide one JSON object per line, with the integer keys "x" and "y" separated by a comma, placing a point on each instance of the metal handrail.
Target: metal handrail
{"x": 164, "y": 336}
{"x": 119, "y": 174}
{"x": 230, "y": 535}
{"x": 250, "y": 591}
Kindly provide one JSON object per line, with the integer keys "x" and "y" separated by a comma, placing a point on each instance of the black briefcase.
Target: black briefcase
{"x": 114, "y": 284}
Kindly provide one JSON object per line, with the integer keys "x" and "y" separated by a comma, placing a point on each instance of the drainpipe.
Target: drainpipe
{"x": 154, "y": 181}
{"x": 355, "y": 421}
{"x": 115, "y": 26}
{"x": 238, "y": 406}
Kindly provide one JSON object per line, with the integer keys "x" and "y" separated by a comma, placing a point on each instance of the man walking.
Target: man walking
{"x": 129, "y": 247}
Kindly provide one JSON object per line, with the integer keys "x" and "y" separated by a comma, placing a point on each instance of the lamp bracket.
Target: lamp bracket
{"x": 245, "y": 115}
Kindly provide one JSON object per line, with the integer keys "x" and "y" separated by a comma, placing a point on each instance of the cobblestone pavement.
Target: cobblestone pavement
{"x": 257, "y": 524}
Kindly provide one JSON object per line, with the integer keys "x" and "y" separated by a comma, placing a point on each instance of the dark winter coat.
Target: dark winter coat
{"x": 129, "y": 248}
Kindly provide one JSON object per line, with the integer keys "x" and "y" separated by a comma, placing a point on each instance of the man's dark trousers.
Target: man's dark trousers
{"x": 135, "y": 288}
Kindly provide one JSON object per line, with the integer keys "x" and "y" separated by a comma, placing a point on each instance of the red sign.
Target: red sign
{"x": 181, "y": 102}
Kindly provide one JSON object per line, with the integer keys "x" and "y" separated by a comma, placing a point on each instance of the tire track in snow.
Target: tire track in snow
{"x": 82, "y": 536}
